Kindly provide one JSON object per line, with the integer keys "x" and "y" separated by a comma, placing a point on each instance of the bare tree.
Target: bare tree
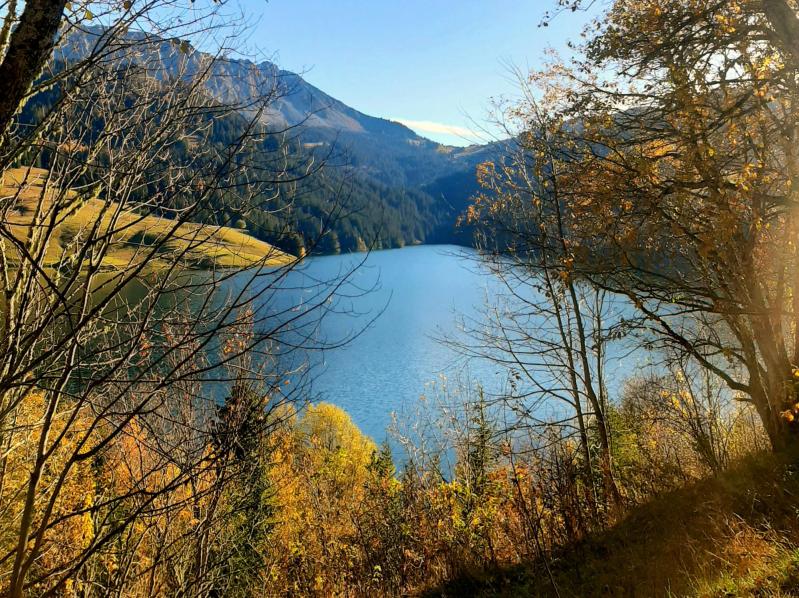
{"x": 124, "y": 322}
{"x": 680, "y": 171}
{"x": 553, "y": 329}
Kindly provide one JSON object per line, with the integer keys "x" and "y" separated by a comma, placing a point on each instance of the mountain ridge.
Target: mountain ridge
{"x": 393, "y": 166}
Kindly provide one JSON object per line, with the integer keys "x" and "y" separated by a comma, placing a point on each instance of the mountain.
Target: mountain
{"x": 385, "y": 150}
{"x": 409, "y": 189}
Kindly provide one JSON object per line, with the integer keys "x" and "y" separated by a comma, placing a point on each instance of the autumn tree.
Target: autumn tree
{"x": 122, "y": 315}
{"x": 320, "y": 467}
{"x": 677, "y": 162}
{"x": 553, "y": 328}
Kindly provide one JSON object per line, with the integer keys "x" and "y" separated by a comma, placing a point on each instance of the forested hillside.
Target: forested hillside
{"x": 383, "y": 185}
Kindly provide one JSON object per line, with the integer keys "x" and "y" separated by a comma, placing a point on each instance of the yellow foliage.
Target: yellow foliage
{"x": 69, "y": 484}
{"x": 319, "y": 471}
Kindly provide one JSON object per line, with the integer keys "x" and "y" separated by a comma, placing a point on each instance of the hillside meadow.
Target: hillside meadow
{"x": 198, "y": 246}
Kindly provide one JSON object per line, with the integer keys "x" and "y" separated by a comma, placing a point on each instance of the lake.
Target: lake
{"x": 400, "y": 302}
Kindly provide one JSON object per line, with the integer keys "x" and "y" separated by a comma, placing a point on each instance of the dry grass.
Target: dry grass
{"x": 133, "y": 235}
{"x": 734, "y": 535}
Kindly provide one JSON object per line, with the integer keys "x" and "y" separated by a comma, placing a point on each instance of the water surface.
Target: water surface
{"x": 399, "y": 303}
{"x": 419, "y": 295}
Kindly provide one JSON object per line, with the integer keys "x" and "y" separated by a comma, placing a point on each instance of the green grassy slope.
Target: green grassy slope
{"x": 199, "y": 245}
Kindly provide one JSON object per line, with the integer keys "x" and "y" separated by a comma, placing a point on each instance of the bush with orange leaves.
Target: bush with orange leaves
{"x": 159, "y": 510}
{"x": 67, "y": 485}
{"x": 319, "y": 469}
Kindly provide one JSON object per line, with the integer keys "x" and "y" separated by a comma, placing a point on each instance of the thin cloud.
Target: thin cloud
{"x": 427, "y": 126}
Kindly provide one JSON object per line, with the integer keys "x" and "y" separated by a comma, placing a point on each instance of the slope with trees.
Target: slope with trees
{"x": 119, "y": 472}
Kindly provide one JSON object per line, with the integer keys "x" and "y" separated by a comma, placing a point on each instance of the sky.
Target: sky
{"x": 434, "y": 65}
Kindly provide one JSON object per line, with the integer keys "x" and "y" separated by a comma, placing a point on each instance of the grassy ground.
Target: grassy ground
{"x": 734, "y": 535}
{"x": 201, "y": 246}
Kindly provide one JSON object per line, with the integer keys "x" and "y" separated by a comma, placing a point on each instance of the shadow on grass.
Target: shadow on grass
{"x": 731, "y": 535}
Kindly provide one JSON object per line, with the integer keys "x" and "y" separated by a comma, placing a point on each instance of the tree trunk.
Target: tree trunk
{"x": 29, "y": 48}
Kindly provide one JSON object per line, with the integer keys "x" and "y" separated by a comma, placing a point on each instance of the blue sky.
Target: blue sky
{"x": 433, "y": 64}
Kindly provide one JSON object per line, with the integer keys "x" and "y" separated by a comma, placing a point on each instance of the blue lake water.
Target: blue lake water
{"x": 402, "y": 302}
{"x": 399, "y": 303}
